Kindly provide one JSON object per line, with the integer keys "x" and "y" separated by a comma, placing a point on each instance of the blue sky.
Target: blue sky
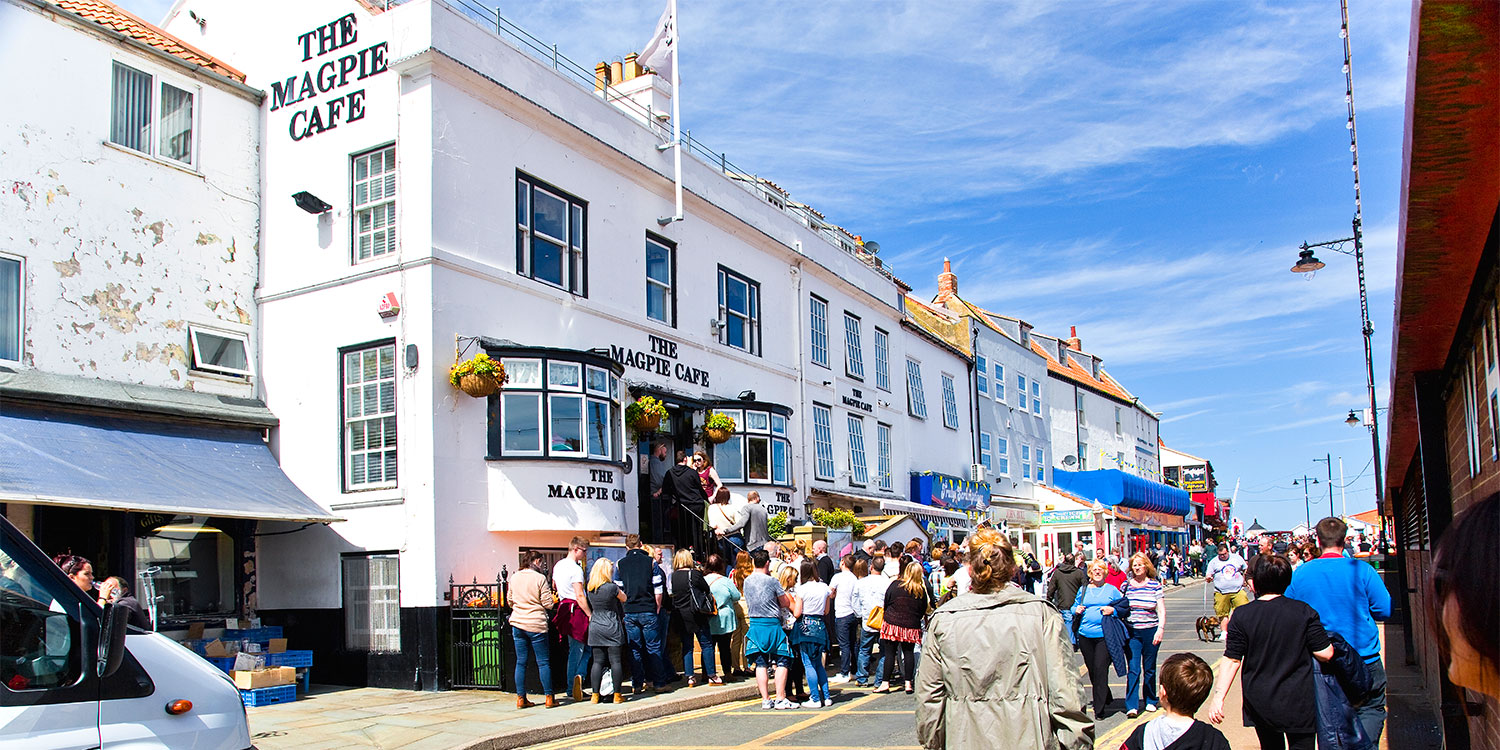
{"x": 1142, "y": 170}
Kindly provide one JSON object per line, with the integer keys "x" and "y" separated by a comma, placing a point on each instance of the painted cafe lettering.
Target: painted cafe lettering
{"x": 589, "y": 492}
{"x": 334, "y": 73}
{"x": 661, "y": 359}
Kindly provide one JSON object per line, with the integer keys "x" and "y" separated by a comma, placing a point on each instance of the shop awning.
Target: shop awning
{"x": 1115, "y": 487}
{"x": 85, "y": 460}
{"x": 926, "y": 512}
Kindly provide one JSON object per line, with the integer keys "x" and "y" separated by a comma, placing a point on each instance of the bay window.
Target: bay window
{"x": 557, "y": 404}
{"x": 759, "y": 452}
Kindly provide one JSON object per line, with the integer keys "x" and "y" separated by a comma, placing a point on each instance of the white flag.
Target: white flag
{"x": 660, "y": 54}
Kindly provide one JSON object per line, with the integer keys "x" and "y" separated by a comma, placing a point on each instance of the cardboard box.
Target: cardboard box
{"x": 278, "y": 645}
{"x": 195, "y": 631}
{"x": 262, "y": 678}
{"x": 215, "y": 648}
{"x": 247, "y": 662}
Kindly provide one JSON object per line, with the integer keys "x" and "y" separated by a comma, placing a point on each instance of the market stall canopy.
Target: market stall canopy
{"x": 1115, "y": 487}
{"x": 55, "y": 457}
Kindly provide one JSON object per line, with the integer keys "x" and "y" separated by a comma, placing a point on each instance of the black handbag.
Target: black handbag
{"x": 703, "y": 601}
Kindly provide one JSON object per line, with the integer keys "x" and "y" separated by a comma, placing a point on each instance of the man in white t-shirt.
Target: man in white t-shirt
{"x": 845, "y": 622}
{"x": 573, "y": 612}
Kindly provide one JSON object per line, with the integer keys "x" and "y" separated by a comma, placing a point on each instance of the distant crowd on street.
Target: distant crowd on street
{"x": 1297, "y": 617}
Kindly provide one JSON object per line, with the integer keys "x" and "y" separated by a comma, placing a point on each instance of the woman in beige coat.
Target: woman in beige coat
{"x": 997, "y": 669}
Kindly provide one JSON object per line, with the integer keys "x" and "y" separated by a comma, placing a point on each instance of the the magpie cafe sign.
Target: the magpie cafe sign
{"x": 595, "y": 490}
{"x": 661, "y": 360}
{"x": 328, "y": 74}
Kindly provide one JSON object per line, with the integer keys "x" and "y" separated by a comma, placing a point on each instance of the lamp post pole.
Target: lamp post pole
{"x": 1306, "y": 498}
{"x": 1327, "y": 460}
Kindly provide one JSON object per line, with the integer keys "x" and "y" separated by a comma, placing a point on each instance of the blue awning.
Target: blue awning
{"x": 1115, "y": 487}
{"x": 113, "y": 463}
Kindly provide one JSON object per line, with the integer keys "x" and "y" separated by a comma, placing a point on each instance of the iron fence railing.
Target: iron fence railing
{"x": 480, "y": 620}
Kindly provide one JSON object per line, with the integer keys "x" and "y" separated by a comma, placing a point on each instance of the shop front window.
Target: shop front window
{"x": 759, "y": 452}
{"x": 191, "y": 566}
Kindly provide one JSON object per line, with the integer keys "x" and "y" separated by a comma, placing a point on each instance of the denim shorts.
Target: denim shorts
{"x": 761, "y": 659}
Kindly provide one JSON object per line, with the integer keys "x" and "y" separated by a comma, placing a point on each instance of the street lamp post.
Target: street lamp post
{"x": 1306, "y": 499}
{"x": 1327, "y": 460}
{"x": 1307, "y": 263}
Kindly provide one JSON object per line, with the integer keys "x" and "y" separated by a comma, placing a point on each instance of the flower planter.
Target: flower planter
{"x": 650, "y": 423}
{"x": 479, "y": 385}
{"x": 717, "y": 436}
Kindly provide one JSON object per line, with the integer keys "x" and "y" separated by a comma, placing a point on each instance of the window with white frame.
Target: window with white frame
{"x": 982, "y": 374}
{"x": 859, "y": 473}
{"x": 823, "y": 441}
{"x": 557, "y": 407}
{"x": 854, "y": 356}
{"x": 986, "y": 458}
{"x": 372, "y": 603}
{"x": 1119, "y": 428}
{"x": 1039, "y": 469}
{"x": 759, "y": 452}
{"x": 1036, "y": 397}
{"x": 1078, "y": 404}
{"x": 999, "y": 382}
{"x": 220, "y": 352}
{"x": 141, "y": 104}
{"x": 661, "y": 280}
{"x": 373, "y": 194}
{"x": 882, "y": 360}
{"x": 1002, "y": 455}
{"x": 950, "y": 403}
{"x": 883, "y": 456}
{"x": 1021, "y": 391}
{"x": 1025, "y": 461}
{"x": 739, "y": 311}
{"x": 369, "y": 390}
{"x": 12, "y": 308}
{"x": 551, "y": 235}
{"x": 818, "y": 324}
{"x": 916, "y": 402}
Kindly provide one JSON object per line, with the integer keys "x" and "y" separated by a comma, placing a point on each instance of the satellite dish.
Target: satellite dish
{"x": 1069, "y": 460}
{"x": 872, "y": 247}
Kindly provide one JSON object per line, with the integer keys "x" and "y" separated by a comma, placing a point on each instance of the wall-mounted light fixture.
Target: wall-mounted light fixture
{"x": 747, "y": 395}
{"x": 311, "y": 203}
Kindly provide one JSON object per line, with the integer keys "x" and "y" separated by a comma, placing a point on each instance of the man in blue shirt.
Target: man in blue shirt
{"x": 1349, "y": 597}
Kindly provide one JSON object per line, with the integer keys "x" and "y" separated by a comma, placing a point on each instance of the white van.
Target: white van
{"x": 73, "y": 678}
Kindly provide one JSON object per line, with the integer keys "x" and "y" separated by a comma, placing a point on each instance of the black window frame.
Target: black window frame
{"x": 757, "y": 309}
{"x": 578, "y": 287}
{"x": 671, "y": 247}
{"x": 494, "y": 412}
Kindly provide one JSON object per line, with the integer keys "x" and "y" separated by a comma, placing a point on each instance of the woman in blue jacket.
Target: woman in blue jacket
{"x": 1094, "y": 604}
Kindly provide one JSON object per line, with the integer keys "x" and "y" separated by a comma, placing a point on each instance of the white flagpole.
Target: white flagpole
{"x": 676, "y": 114}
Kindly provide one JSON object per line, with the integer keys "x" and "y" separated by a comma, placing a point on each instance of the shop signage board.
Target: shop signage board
{"x": 953, "y": 493}
{"x": 659, "y": 358}
{"x": 1195, "y": 478}
{"x": 1054, "y": 517}
{"x": 310, "y": 92}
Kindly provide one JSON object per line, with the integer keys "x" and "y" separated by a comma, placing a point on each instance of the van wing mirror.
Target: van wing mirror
{"x": 112, "y": 639}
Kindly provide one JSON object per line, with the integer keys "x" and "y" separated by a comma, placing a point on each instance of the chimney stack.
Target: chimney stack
{"x": 947, "y": 282}
{"x": 1074, "y": 343}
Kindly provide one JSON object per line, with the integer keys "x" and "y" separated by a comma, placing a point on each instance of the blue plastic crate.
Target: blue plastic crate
{"x": 259, "y": 635}
{"x": 289, "y": 659}
{"x": 269, "y": 696}
{"x": 225, "y": 663}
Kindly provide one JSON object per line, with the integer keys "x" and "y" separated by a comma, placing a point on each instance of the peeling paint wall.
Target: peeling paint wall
{"x": 122, "y": 251}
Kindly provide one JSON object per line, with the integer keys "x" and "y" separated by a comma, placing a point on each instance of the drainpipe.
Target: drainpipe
{"x": 806, "y": 413}
{"x": 974, "y": 392}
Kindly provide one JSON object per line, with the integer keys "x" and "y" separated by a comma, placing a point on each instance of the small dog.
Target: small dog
{"x": 1208, "y": 628}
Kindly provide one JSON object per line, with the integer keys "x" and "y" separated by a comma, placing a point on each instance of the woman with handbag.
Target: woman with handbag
{"x": 905, "y": 607}
{"x": 694, "y": 602}
{"x": 810, "y": 635}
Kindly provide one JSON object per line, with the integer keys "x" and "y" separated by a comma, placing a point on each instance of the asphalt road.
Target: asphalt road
{"x": 861, "y": 719}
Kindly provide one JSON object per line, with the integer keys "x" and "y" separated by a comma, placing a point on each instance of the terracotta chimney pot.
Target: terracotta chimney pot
{"x": 947, "y": 282}
{"x": 1074, "y": 343}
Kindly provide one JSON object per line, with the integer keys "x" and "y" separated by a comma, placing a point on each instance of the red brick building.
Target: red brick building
{"x": 1443, "y": 451}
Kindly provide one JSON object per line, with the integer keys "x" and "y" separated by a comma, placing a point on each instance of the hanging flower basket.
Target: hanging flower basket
{"x": 719, "y": 428}
{"x": 646, "y": 414}
{"x": 479, "y": 376}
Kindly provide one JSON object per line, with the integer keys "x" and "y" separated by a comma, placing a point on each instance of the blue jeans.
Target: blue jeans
{"x": 867, "y": 641}
{"x": 1067, "y": 615}
{"x": 1372, "y": 713}
{"x": 645, "y": 649}
{"x": 578, "y": 662}
{"x": 529, "y": 645}
{"x": 705, "y": 644}
{"x": 729, "y": 548}
{"x": 1142, "y": 655}
{"x": 817, "y": 675}
{"x": 847, "y": 630}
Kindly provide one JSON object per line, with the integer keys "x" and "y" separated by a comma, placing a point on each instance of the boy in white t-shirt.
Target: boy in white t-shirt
{"x": 1186, "y": 681}
{"x": 573, "y": 612}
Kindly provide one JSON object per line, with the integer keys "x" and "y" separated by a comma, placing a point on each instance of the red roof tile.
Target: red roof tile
{"x": 115, "y": 18}
{"x": 1069, "y": 370}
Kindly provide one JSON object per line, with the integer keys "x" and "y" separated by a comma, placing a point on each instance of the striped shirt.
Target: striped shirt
{"x": 1144, "y": 597}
